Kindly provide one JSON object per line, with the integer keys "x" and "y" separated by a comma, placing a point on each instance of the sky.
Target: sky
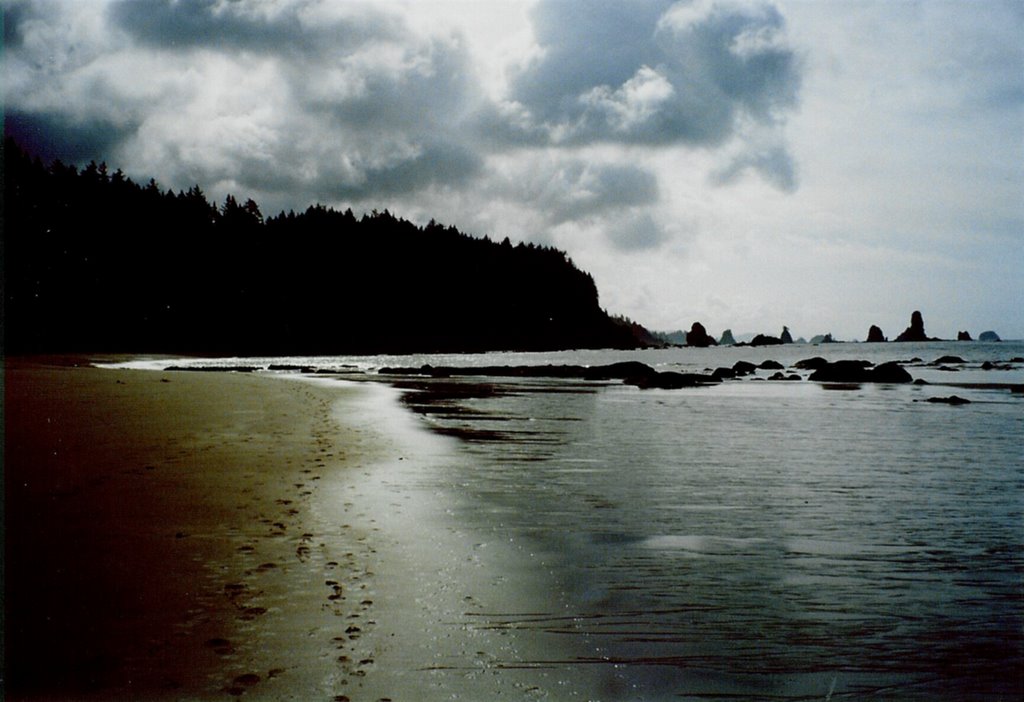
{"x": 821, "y": 165}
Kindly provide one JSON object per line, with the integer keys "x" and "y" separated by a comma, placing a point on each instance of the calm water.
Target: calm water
{"x": 753, "y": 540}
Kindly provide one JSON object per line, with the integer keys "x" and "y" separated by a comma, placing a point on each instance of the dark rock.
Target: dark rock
{"x": 723, "y": 373}
{"x": 215, "y": 369}
{"x": 988, "y": 365}
{"x": 765, "y": 340}
{"x": 778, "y": 376}
{"x": 671, "y": 380}
{"x": 786, "y": 337}
{"x": 811, "y": 363}
{"x": 620, "y": 371}
{"x": 727, "y": 338}
{"x": 915, "y": 332}
{"x": 890, "y": 372}
{"x": 947, "y": 359}
{"x": 744, "y": 367}
{"x": 861, "y": 372}
{"x": 290, "y": 368}
{"x": 698, "y": 336}
{"x": 951, "y": 400}
{"x": 771, "y": 365}
{"x": 963, "y": 336}
{"x": 988, "y": 336}
{"x": 875, "y": 335}
{"x": 921, "y": 381}
{"x": 841, "y": 372}
{"x": 793, "y": 376}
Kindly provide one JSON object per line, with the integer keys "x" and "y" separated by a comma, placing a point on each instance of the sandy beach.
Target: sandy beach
{"x": 163, "y": 539}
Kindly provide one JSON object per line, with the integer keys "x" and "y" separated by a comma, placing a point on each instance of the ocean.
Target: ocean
{"x": 757, "y": 539}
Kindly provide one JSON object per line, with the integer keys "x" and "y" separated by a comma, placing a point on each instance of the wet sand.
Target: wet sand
{"x": 165, "y": 538}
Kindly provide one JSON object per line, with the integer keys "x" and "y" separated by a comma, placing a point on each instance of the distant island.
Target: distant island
{"x": 95, "y": 262}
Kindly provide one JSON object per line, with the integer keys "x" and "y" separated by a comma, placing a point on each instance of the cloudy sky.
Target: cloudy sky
{"x": 827, "y": 166}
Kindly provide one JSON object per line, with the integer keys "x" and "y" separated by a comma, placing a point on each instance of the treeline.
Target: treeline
{"x": 95, "y": 262}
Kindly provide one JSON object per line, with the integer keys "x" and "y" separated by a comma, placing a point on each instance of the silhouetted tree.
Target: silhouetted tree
{"x": 96, "y": 262}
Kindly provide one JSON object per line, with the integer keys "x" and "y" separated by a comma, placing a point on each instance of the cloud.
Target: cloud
{"x": 307, "y": 100}
{"x": 296, "y": 100}
{"x": 771, "y": 161}
{"x": 655, "y": 72}
{"x": 635, "y": 231}
{"x": 55, "y": 136}
{"x": 281, "y": 26}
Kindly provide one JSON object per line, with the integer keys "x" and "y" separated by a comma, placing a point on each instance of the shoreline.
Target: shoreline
{"x": 165, "y": 537}
{"x": 216, "y": 535}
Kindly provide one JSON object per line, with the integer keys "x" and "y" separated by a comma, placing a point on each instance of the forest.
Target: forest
{"x": 94, "y": 262}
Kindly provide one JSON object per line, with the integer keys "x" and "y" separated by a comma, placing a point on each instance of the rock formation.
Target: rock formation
{"x": 727, "y": 338}
{"x": 861, "y": 372}
{"x": 744, "y": 367}
{"x": 915, "y": 332}
{"x": 670, "y": 380}
{"x": 988, "y": 336}
{"x": 963, "y": 336}
{"x": 951, "y": 400}
{"x": 811, "y": 363}
{"x": 765, "y": 340}
{"x": 698, "y": 336}
{"x": 875, "y": 335}
{"x": 786, "y": 337}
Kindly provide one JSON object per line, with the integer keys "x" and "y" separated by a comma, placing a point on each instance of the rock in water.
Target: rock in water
{"x": 963, "y": 336}
{"x": 951, "y": 400}
{"x": 860, "y": 372}
{"x": 988, "y": 336}
{"x": 765, "y": 340}
{"x": 727, "y": 338}
{"x": 875, "y": 335}
{"x": 890, "y": 372}
{"x": 915, "y": 332}
{"x": 698, "y": 336}
{"x": 786, "y": 337}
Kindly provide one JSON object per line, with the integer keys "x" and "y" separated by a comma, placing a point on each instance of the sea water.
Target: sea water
{"x": 756, "y": 539}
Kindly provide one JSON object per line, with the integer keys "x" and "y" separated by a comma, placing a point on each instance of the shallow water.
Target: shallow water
{"x": 752, "y": 540}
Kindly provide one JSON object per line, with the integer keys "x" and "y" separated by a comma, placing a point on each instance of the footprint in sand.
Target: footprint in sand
{"x": 242, "y": 683}
{"x": 220, "y": 646}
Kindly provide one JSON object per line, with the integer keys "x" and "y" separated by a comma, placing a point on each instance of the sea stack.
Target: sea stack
{"x": 786, "y": 337}
{"x": 875, "y": 335}
{"x": 963, "y": 336}
{"x": 727, "y": 338}
{"x": 698, "y": 336}
{"x": 915, "y": 332}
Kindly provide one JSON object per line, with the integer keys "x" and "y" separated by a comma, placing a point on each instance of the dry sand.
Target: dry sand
{"x": 163, "y": 540}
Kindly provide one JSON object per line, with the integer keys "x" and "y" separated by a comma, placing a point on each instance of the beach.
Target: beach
{"x": 164, "y": 540}
{"x": 279, "y": 534}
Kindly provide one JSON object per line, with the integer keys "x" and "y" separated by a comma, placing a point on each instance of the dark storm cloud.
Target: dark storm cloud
{"x": 578, "y": 190}
{"x": 656, "y": 72}
{"x": 14, "y": 14}
{"x": 180, "y": 24}
{"x": 52, "y": 136}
